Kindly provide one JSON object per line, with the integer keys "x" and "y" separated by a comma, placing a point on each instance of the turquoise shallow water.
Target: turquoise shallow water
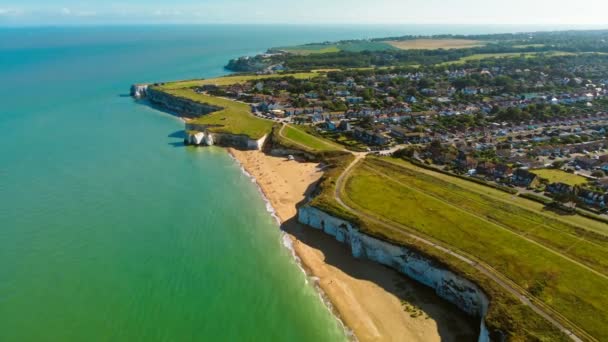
{"x": 110, "y": 229}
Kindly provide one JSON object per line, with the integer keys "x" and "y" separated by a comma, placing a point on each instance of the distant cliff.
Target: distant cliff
{"x": 182, "y": 106}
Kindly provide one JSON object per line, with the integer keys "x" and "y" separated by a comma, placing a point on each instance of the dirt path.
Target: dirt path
{"x": 377, "y": 303}
{"x": 487, "y": 270}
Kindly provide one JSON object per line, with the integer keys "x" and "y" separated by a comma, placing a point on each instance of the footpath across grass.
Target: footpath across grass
{"x": 464, "y": 222}
{"x": 301, "y": 137}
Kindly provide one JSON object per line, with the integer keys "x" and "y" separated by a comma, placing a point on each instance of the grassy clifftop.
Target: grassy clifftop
{"x": 560, "y": 265}
{"x": 234, "y": 118}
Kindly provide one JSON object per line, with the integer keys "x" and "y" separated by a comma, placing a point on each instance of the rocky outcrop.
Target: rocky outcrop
{"x": 201, "y": 136}
{"x": 448, "y": 285}
{"x": 175, "y": 104}
{"x": 139, "y": 91}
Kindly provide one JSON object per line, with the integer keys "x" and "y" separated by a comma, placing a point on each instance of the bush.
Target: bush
{"x": 598, "y": 174}
{"x": 536, "y": 198}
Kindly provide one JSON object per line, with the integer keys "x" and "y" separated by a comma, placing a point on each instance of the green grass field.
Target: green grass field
{"x": 559, "y": 176}
{"x": 229, "y": 80}
{"x": 519, "y": 243}
{"x": 434, "y": 44}
{"x": 301, "y": 137}
{"x": 524, "y": 46}
{"x": 358, "y": 46}
{"x": 235, "y": 118}
{"x": 482, "y": 56}
{"x": 595, "y": 227}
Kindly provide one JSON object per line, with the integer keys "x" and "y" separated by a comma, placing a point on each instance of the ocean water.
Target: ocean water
{"x": 111, "y": 229}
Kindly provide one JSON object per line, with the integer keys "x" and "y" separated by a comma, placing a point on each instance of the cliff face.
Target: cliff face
{"x": 183, "y": 107}
{"x": 448, "y": 285}
{"x": 196, "y": 134}
{"x": 200, "y": 135}
{"x": 139, "y": 90}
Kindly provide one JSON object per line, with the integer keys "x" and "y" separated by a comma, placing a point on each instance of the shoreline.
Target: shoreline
{"x": 288, "y": 242}
{"x": 372, "y": 302}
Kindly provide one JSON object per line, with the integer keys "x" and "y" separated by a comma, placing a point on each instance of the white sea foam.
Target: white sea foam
{"x": 288, "y": 244}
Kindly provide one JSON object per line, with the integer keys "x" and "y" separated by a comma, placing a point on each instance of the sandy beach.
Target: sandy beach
{"x": 375, "y": 302}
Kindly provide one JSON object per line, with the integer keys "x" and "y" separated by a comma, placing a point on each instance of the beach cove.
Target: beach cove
{"x": 374, "y": 302}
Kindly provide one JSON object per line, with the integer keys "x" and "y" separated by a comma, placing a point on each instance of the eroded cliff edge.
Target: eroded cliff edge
{"x": 448, "y": 285}
{"x": 195, "y": 134}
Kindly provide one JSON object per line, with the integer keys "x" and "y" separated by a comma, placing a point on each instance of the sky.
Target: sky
{"x": 482, "y": 12}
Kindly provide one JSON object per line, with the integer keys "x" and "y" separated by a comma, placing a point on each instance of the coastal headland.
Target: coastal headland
{"x": 394, "y": 154}
{"x": 292, "y": 167}
{"x": 375, "y": 303}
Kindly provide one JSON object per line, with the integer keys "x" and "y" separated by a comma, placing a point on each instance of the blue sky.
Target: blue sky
{"x": 542, "y": 12}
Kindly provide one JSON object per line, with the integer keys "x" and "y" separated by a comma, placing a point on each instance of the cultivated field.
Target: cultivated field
{"x": 563, "y": 265}
{"x": 559, "y": 176}
{"x": 481, "y": 56}
{"x": 354, "y": 46}
{"x": 434, "y": 44}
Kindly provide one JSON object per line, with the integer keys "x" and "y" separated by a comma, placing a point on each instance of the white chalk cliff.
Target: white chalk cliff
{"x": 448, "y": 285}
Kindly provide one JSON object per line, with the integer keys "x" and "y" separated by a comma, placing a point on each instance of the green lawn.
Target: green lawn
{"x": 301, "y": 137}
{"x": 559, "y": 176}
{"x": 235, "y": 118}
{"x": 478, "y": 226}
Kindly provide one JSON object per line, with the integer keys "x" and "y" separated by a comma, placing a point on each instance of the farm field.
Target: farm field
{"x": 564, "y": 268}
{"x": 481, "y": 56}
{"x": 301, "y": 137}
{"x": 354, "y": 46}
{"x": 434, "y": 44}
{"x": 559, "y": 176}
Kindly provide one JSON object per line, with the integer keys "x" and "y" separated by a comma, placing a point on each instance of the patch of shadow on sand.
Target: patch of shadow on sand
{"x": 418, "y": 300}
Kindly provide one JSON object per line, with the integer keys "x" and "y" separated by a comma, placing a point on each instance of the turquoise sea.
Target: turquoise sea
{"x": 111, "y": 229}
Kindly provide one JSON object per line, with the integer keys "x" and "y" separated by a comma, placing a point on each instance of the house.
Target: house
{"x": 345, "y": 126}
{"x": 559, "y": 188}
{"x": 524, "y": 178}
{"x": 464, "y": 162}
{"x": 586, "y": 163}
{"x": 354, "y": 99}
{"x": 399, "y": 132}
{"x": 503, "y": 171}
{"x": 486, "y": 168}
{"x": 592, "y": 198}
{"x": 329, "y": 125}
{"x": 370, "y": 137}
{"x": 469, "y": 91}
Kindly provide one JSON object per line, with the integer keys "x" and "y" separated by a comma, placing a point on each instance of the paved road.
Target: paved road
{"x": 491, "y": 273}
